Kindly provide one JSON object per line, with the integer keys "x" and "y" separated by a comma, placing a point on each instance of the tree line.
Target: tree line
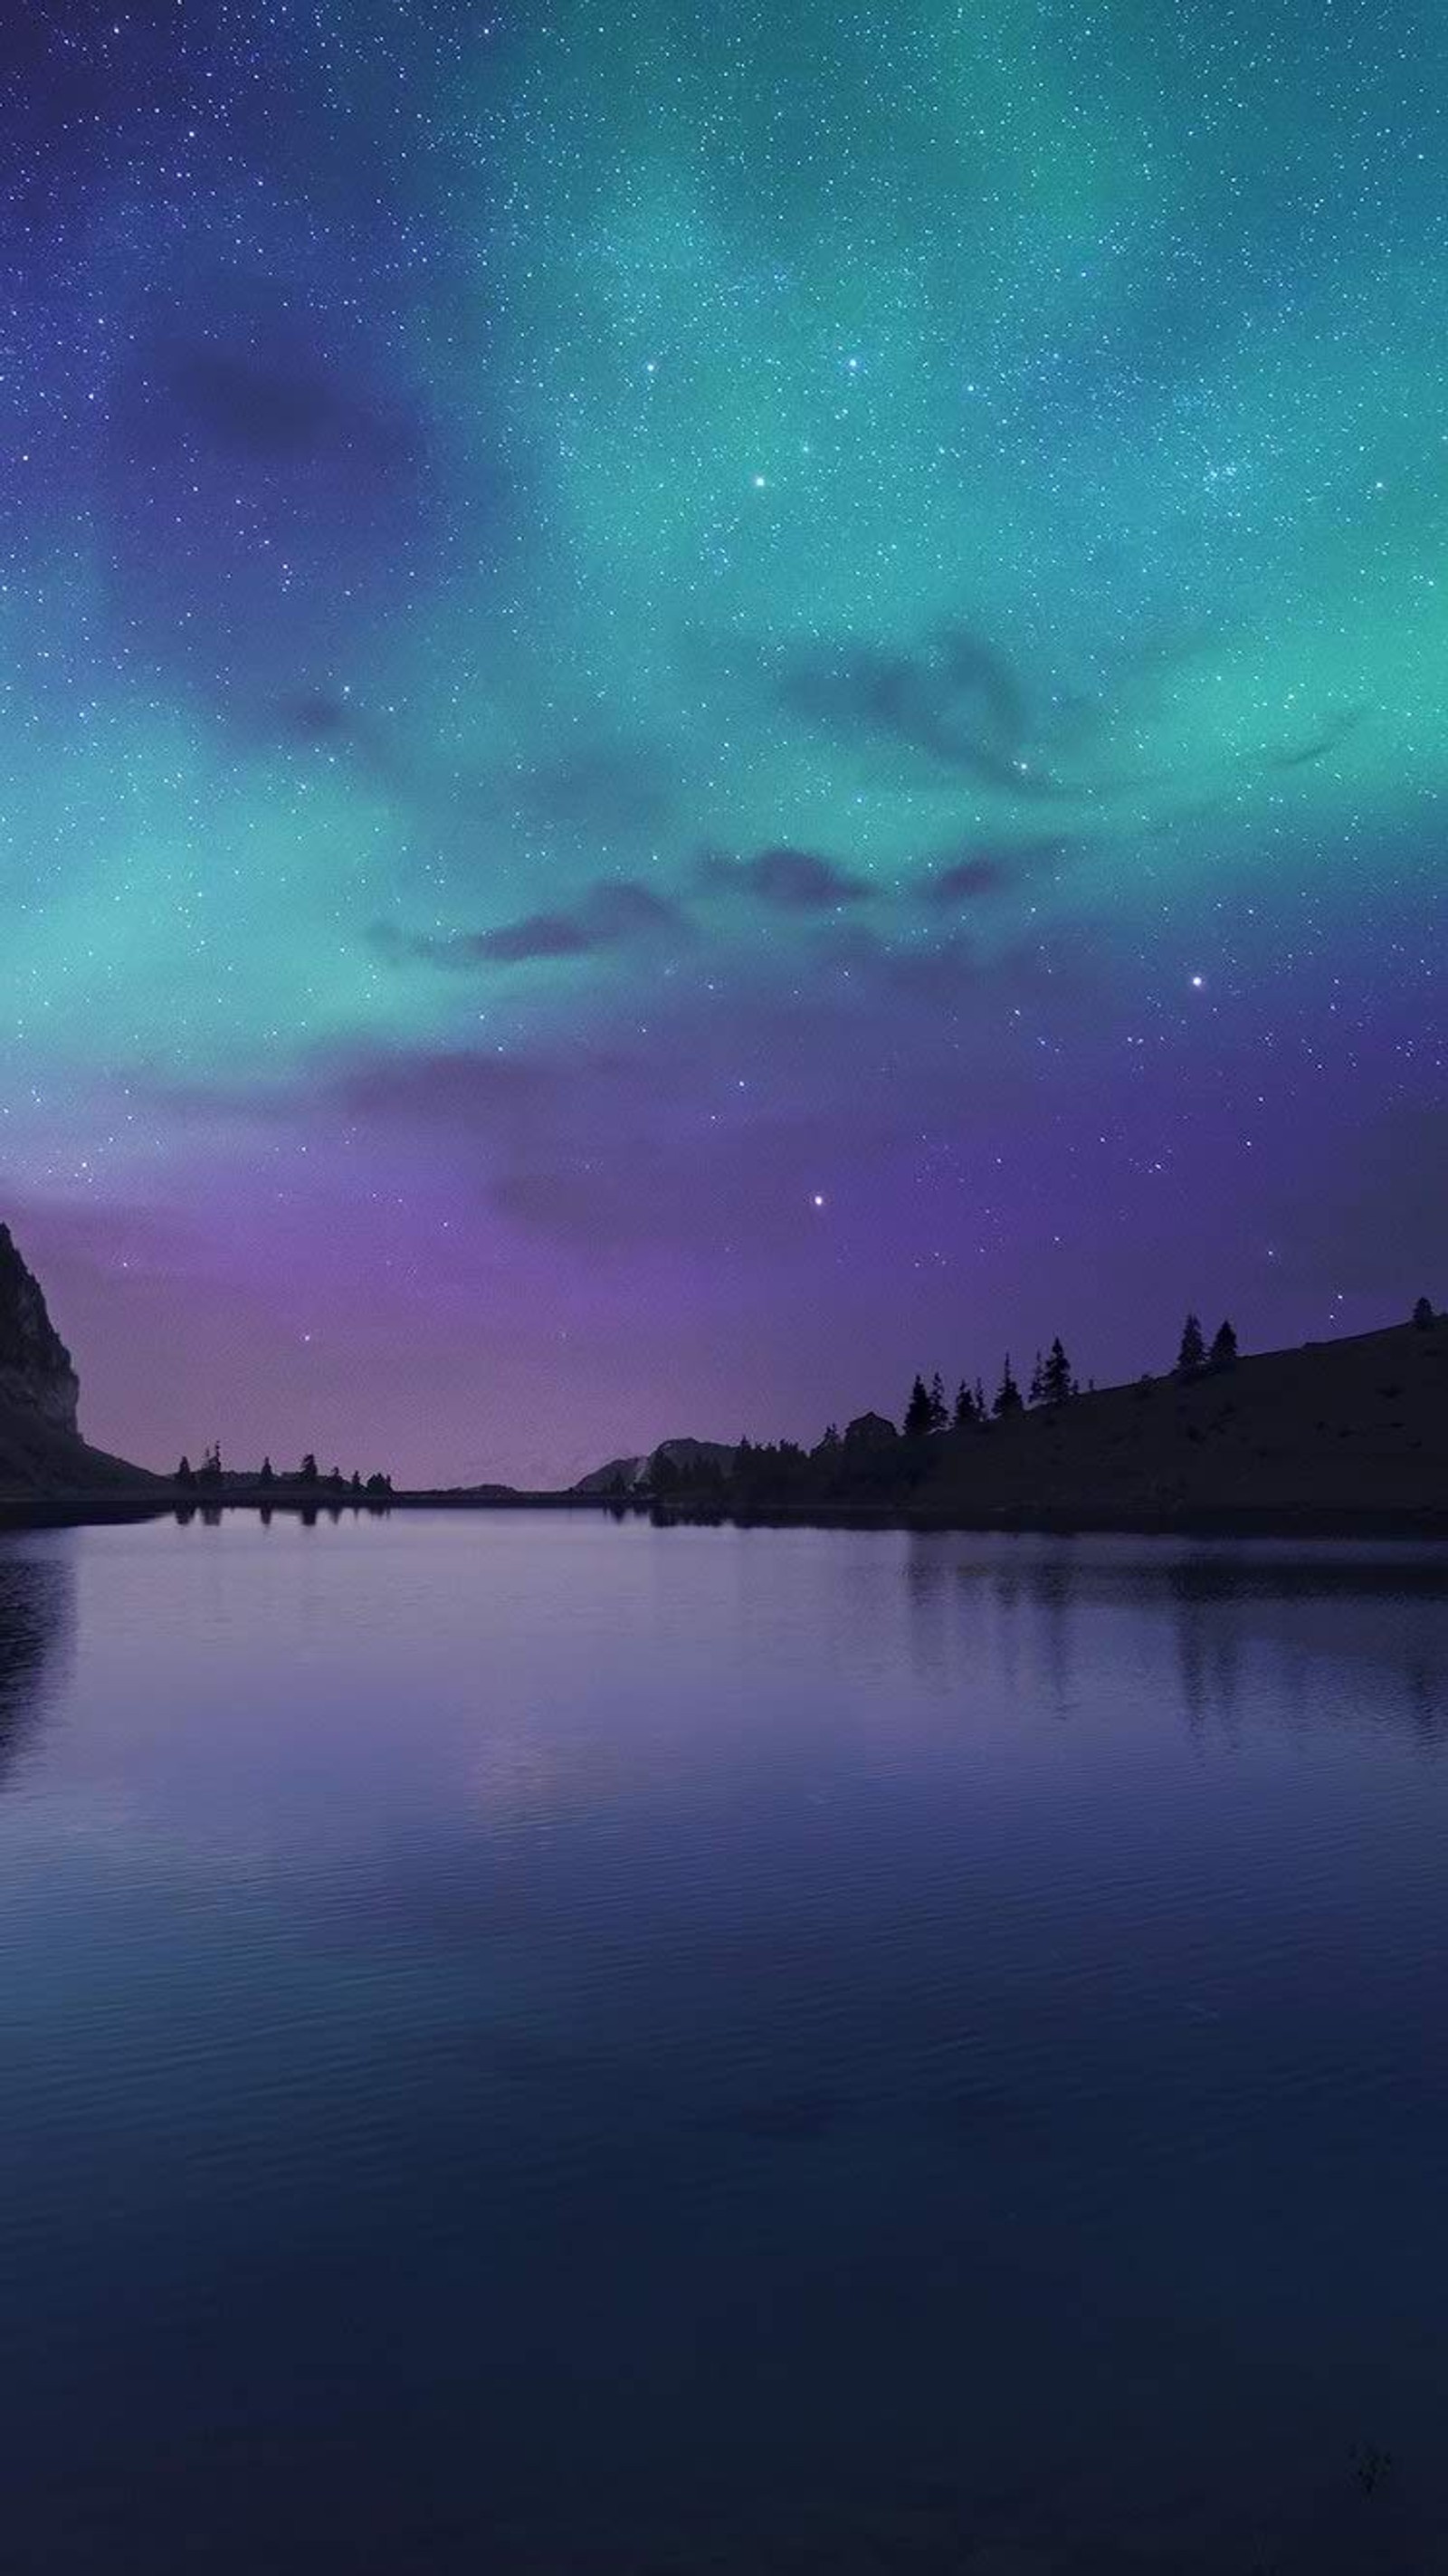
{"x": 211, "y": 1475}
{"x": 1053, "y": 1381}
{"x": 870, "y": 1455}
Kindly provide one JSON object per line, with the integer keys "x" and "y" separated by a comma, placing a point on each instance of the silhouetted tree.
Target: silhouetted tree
{"x": 267, "y": 1476}
{"x": 356, "y": 1480}
{"x": 185, "y": 1473}
{"x": 964, "y": 1414}
{"x": 980, "y": 1413}
{"x": 308, "y": 1469}
{"x": 1007, "y": 1394}
{"x": 939, "y": 1416}
{"x": 1223, "y": 1352}
{"x": 210, "y": 1470}
{"x": 1036, "y": 1392}
{"x": 1192, "y": 1354}
{"x": 1423, "y": 1315}
{"x": 1057, "y": 1383}
{"x": 917, "y": 1411}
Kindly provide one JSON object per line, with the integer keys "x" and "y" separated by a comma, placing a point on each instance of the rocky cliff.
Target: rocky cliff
{"x": 42, "y": 1456}
{"x": 36, "y": 1375}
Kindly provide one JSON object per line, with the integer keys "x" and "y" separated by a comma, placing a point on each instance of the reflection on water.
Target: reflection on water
{"x": 1380, "y": 1610}
{"x": 557, "y": 2045}
{"x": 36, "y": 1606}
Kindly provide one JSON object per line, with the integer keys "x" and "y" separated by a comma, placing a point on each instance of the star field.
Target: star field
{"x": 698, "y": 706}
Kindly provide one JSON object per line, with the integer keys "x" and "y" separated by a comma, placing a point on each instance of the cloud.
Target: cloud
{"x": 1332, "y": 736}
{"x": 709, "y": 1130}
{"x": 610, "y": 1149}
{"x": 447, "y": 1087}
{"x": 331, "y": 723}
{"x": 290, "y": 473}
{"x": 616, "y": 791}
{"x": 611, "y": 915}
{"x": 789, "y": 880}
{"x": 716, "y": 1193}
{"x": 270, "y": 397}
{"x": 956, "y": 700}
{"x": 939, "y": 975}
{"x": 319, "y": 716}
{"x": 991, "y": 868}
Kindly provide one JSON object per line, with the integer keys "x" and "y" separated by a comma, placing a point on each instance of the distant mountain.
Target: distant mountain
{"x": 42, "y": 1454}
{"x": 673, "y": 1463}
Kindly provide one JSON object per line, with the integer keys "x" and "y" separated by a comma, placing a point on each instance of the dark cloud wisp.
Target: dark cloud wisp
{"x": 979, "y": 870}
{"x": 956, "y": 700}
{"x": 789, "y": 880}
{"x": 612, "y": 915}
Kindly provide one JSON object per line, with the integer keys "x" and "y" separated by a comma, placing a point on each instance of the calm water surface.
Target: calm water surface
{"x": 531, "y": 2043}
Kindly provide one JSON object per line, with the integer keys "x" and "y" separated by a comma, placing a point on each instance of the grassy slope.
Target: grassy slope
{"x": 1359, "y": 1425}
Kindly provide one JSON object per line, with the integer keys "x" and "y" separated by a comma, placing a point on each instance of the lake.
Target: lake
{"x": 530, "y": 2042}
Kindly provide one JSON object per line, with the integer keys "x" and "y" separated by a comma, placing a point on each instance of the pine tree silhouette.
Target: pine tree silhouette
{"x": 917, "y": 1411}
{"x": 1057, "y": 1383}
{"x": 1007, "y": 1394}
{"x": 1223, "y": 1352}
{"x": 1192, "y": 1355}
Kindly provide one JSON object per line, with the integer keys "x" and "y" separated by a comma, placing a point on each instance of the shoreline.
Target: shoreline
{"x": 1041, "y": 1519}
{"x": 1303, "y": 1521}
{"x": 75, "y": 1510}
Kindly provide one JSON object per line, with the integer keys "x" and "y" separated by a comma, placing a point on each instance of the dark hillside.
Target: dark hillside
{"x": 1345, "y": 1433}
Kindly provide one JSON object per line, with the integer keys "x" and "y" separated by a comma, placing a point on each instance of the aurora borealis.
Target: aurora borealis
{"x": 703, "y": 704}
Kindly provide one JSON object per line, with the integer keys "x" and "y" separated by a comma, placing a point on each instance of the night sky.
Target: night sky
{"x": 700, "y": 703}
